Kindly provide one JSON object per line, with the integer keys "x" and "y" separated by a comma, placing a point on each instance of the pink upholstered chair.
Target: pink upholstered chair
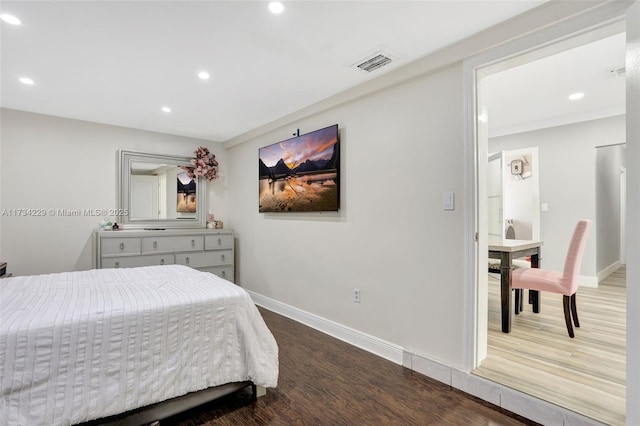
{"x": 565, "y": 283}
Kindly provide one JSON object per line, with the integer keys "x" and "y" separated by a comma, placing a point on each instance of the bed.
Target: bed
{"x": 87, "y": 345}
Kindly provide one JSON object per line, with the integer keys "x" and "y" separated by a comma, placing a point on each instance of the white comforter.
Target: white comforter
{"x": 83, "y": 345}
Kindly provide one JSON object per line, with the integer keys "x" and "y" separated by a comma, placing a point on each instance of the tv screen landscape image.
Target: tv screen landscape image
{"x": 301, "y": 174}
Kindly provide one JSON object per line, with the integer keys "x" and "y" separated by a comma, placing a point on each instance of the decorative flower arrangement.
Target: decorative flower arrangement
{"x": 204, "y": 165}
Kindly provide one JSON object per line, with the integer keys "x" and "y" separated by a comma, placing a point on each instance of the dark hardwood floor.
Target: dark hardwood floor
{"x": 324, "y": 381}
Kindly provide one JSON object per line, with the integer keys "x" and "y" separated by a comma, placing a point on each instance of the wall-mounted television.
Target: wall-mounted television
{"x": 301, "y": 174}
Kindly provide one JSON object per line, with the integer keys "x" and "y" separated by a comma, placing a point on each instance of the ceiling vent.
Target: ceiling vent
{"x": 374, "y": 62}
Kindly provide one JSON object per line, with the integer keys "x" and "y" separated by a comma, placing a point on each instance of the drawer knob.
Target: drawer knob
{"x": 186, "y": 261}
{"x": 224, "y": 274}
{"x": 155, "y": 244}
{"x": 162, "y": 261}
{"x": 121, "y": 246}
{"x": 117, "y": 265}
{"x": 219, "y": 241}
{"x": 193, "y": 243}
{"x": 222, "y": 257}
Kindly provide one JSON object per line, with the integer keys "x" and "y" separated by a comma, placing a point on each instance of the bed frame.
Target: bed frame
{"x": 152, "y": 414}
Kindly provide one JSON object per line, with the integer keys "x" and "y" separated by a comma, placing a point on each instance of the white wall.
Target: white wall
{"x": 401, "y": 148}
{"x": 567, "y": 181}
{"x": 1, "y": 203}
{"x": 56, "y": 163}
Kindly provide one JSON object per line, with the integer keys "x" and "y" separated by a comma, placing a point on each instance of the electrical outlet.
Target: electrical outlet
{"x": 356, "y": 295}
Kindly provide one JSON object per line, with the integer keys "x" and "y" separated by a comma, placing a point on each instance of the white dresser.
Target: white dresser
{"x": 210, "y": 250}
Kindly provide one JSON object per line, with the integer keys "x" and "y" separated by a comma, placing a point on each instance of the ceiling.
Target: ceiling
{"x": 535, "y": 94}
{"x": 119, "y": 62}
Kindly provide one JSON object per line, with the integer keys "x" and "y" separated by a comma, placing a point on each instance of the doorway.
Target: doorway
{"x": 554, "y": 250}
{"x": 611, "y": 208}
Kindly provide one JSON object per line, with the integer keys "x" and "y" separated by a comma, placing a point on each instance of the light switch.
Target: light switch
{"x": 448, "y": 200}
{"x": 544, "y": 207}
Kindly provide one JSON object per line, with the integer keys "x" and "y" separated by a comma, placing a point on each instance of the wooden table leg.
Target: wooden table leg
{"x": 505, "y": 291}
{"x": 535, "y": 260}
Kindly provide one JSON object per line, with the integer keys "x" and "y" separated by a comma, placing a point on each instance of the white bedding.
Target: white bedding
{"x": 83, "y": 345}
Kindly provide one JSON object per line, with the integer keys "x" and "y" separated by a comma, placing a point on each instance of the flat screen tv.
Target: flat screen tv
{"x": 301, "y": 174}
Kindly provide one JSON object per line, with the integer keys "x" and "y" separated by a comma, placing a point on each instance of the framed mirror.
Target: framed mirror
{"x": 157, "y": 193}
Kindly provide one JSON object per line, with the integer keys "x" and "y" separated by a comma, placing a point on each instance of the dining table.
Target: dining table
{"x": 506, "y": 250}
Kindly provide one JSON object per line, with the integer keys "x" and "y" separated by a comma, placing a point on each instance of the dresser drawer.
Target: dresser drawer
{"x": 196, "y": 259}
{"x": 120, "y": 246}
{"x": 168, "y": 244}
{"x": 133, "y": 261}
{"x": 205, "y": 258}
{"x": 220, "y": 241}
{"x": 225, "y": 272}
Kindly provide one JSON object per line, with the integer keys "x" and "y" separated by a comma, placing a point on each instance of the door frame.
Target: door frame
{"x": 560, "y": 35}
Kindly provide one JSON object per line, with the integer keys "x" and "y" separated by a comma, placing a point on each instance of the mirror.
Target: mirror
{"x": 156, "y": 193}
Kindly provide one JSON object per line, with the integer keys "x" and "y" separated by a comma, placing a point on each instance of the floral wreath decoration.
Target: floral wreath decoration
{"x": 204, "y": 165}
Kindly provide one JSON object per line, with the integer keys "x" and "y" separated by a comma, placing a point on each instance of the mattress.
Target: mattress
{"x": 79, "y": 346}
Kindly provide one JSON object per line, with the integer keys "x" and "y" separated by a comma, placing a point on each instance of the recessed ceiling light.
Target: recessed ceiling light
{"x": 26, "y": 80}
{"x": 204, "y": 75}
{"x": 576, "y": 96}
{"x": 166, "y": 109}
{"x": 10, "y": 19}
{"x": 276, "y": 7}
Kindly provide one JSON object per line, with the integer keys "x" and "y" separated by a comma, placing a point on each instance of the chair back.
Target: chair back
{"x": 510, "y": 233}
{"x": 573, "y": 262}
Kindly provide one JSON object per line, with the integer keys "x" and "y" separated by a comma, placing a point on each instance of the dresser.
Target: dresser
{"x": 209, "y": 250}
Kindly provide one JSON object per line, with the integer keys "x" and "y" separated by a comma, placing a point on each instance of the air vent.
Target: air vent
{"x": 375, "y": 62}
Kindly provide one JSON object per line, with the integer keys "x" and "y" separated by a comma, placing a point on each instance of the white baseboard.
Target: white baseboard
{"x": 608, "y": 270}
{"x": 356, "y": 338}
{"x": 512, "y": 400}
{"x": 589, "y": 281}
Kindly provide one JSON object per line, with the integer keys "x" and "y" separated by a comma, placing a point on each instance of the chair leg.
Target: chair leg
{"x": 574, "y": 311}
{"x": 521, "y": 299}
{"x": 534, "y": 295}
{"x": 517, "y": 306}
{"x": 566, "y": 301}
